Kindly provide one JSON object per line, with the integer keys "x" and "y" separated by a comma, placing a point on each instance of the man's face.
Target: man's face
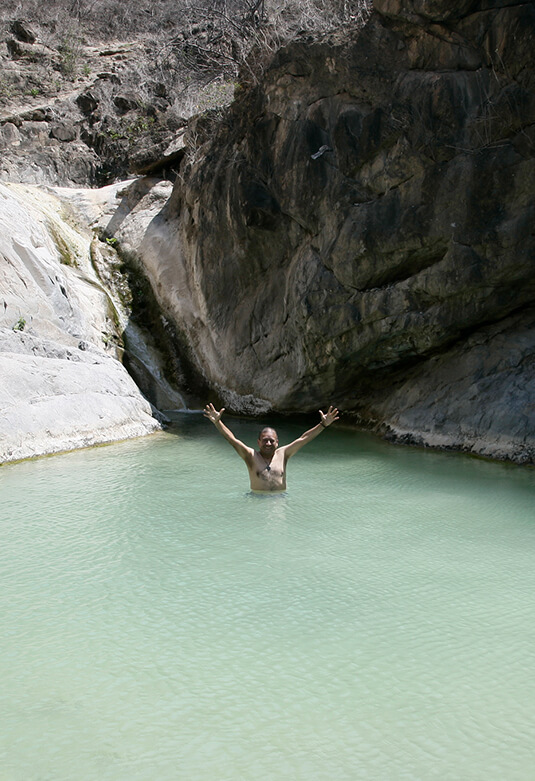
{"x": 268, "y": 441}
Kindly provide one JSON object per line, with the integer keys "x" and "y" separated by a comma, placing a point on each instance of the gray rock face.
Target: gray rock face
{"x": 476, "y": 397}
{"x": 361, "y": 230}
{"x": 80, "y": 128}
{"x": 62, "y": 385}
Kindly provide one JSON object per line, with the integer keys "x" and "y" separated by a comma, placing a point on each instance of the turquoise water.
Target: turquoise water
{"x": 160, "y": 623}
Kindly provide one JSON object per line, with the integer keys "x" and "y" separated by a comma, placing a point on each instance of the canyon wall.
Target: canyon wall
{"x": 63, "y": 384}
{"x": 359, "y": 230}
{"x": 356, "y": 228}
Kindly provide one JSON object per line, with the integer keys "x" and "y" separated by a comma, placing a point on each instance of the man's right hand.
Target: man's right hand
{"x": 212, "y": 414}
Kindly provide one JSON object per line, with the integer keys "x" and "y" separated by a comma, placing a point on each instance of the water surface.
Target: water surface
{"x": 376, "y": 622}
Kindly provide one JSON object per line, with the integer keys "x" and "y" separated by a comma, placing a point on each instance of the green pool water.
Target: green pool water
{"x": 160, "y": 623}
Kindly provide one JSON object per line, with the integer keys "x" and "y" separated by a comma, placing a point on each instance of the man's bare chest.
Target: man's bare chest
{"x": 268, "y": 470}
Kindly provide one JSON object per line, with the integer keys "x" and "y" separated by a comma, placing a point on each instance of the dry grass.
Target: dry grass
{"x": 186, "y": 57}
{"x": 108, "y": 19}
{"x": 214, "y": 35}
{"x": 196, "y": 49}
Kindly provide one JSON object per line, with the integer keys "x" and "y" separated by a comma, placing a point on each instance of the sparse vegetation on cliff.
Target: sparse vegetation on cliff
{"x": 204, "y": 37}
{"x": 136, "y": 72}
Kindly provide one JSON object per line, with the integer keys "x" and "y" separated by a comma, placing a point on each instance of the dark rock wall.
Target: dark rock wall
{"x": 367, "y": 209}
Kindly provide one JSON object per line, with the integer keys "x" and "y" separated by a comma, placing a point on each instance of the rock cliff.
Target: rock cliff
{"x": 356, "y": 228}
{"x": 62, "y": 333}
{"x": 359, "y": 230}
{"x": 88, "y": 125}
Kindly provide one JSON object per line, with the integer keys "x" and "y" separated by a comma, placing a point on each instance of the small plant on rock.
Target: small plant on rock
{"x": 70, "y": 53}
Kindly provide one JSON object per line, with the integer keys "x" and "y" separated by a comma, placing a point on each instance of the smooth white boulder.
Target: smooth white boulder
{"x": 62, "y": 385}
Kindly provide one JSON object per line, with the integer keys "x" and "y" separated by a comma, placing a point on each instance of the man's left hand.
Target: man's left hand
{"x": 329, "y": 417}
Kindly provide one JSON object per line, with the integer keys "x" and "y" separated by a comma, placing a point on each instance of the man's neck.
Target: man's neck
{"x": 266, "y": 456}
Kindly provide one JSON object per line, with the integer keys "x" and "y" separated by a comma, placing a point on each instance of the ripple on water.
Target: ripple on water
{"x": 374, "y": 623}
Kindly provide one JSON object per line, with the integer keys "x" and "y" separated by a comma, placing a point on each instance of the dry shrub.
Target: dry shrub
{"x": 210, "y": 33}
{"x": 195, "y": 48}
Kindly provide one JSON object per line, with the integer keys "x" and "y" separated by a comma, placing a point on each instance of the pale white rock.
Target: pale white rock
{"x": 61, "y": 383}
{"x": 123, "y": 211}
{"x": 46, "y": 278}
{"x": 49, "y": 405}
{"x": 178, "y": 144}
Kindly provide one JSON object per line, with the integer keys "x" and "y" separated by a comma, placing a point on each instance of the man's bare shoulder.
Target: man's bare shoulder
{"x": 248, "y": 454}
{"x": 286, "y": 450}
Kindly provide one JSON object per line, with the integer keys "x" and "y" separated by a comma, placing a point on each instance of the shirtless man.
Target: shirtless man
{"x": 267, "y": 465}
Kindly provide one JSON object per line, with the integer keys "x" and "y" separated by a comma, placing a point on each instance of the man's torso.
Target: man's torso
{"x": 268, "y": 475}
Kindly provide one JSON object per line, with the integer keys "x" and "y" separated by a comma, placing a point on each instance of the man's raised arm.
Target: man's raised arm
{"x": 214, "y": 417}
{"x": 326, "y": 420}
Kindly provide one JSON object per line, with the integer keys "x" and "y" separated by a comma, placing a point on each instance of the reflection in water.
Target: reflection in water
{"x": 375, "y": 621}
